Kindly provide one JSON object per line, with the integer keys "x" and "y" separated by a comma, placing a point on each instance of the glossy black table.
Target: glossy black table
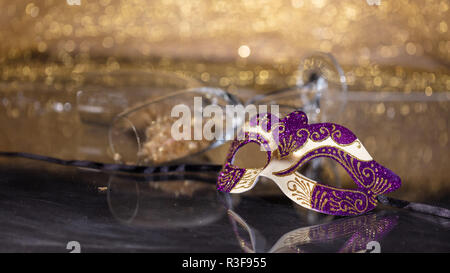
{"x": 44, "y": 207}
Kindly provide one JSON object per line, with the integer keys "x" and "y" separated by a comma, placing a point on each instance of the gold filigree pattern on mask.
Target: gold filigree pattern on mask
{"x": 286, "y": 147}
{"x": 324, "y": 133}
{"x": 248, "y": 179}
{"x": 300, "y": 132}
{"x": 380, "y": 186}
{"x": 301, "y": 190}
{"x": 229, "y": 176}
{"x": 346, "y": 204}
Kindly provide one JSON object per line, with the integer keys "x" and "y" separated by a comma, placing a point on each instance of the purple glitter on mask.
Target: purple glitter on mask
{"x": 293, "y": 131}
{"x": 228, "y": 177}
{"x": 289, "y": 135}
{"x": 341, "y": 202}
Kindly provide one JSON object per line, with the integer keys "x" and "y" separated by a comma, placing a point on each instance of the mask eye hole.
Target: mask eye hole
{"x": 328, "y": 172}
{"x": 250, "y": 156}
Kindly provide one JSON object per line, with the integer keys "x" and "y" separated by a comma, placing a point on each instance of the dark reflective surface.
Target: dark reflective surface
{"x": 45, "y": 206}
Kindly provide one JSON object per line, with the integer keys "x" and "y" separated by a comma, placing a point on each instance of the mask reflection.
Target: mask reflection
{"x": 356, "y": 232}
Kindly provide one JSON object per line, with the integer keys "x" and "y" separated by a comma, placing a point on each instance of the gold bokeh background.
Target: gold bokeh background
{"x": 399, "y": 46}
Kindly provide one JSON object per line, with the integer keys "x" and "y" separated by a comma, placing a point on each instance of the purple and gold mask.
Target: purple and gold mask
{"x": 290, "y": 143}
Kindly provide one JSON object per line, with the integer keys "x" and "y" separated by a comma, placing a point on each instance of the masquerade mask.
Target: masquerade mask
{"x": 289, "y": 144}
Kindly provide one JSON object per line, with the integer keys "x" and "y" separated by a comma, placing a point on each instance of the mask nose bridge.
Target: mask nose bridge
{"x": 274, "y": 165}
{"x": 294, "y": 185}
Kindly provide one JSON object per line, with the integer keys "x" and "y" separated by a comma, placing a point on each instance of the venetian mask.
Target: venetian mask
{"x": 290, "y": 143}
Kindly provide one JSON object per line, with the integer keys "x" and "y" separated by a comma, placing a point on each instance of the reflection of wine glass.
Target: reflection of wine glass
{"x": 167, "y": 203}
